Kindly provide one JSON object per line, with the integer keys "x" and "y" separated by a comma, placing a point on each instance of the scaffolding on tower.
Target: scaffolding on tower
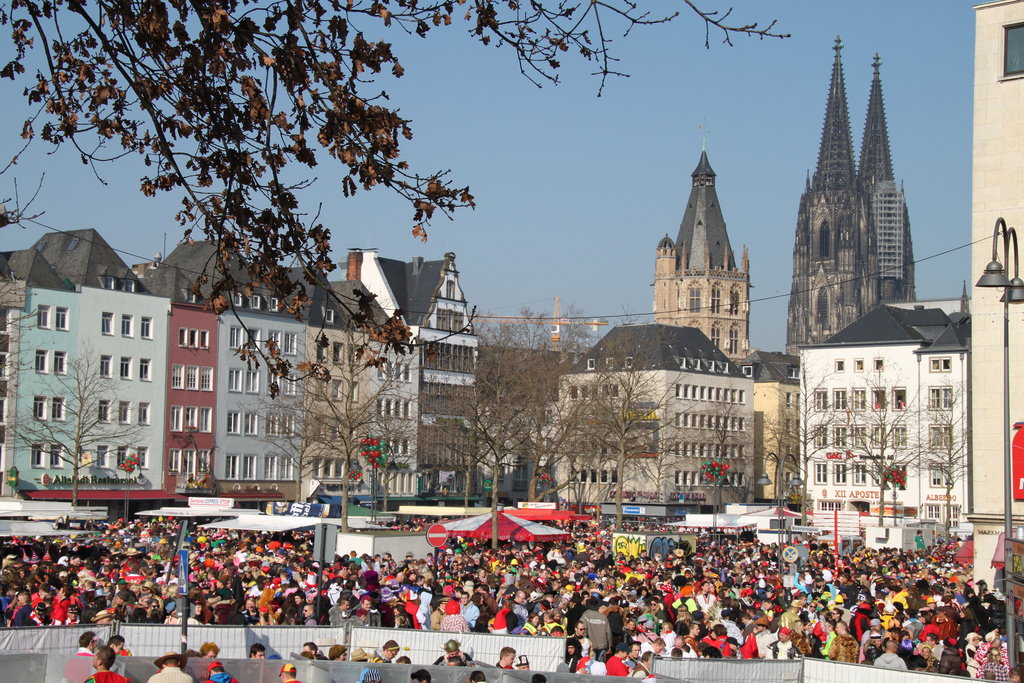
{"x": 556, "y": 321}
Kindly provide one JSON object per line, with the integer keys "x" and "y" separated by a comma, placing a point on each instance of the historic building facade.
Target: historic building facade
{"x": 853, "y": 248}
{"x": 696, "y": 281}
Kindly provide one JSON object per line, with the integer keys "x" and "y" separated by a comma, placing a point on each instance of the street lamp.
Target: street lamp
{"x": 995, "y": 276}
{"x": 795, "y": 482}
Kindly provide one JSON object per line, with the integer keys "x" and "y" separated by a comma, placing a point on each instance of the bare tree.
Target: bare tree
{"x": 77, "y": 416}
{"x": 817, "y": 415}
{"x": 945, "y": 452}
{"x": 878, "y": 422}
{"x": 625, "y": 390}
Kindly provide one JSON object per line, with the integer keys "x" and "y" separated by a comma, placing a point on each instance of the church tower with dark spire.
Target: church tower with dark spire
{"x": 696, "y": 280}
{"x": 852, "y": 249}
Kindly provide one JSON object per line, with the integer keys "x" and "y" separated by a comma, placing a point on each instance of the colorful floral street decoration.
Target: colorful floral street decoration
{"x": 714, "y": 471}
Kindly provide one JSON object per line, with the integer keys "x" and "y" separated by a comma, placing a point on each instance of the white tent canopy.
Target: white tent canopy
{"x": 198, "y": 511}
{"x": 21, "y": 528}
{"x": 283, "y": 523}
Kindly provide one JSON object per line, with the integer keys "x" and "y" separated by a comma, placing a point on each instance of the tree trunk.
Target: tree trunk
{"x": 345, "y": 469}
{"x": 494, "y": 509}
{"x": 74, "y": 482}
{"x": 881, "y": 501}
{"x": 621, "y": 466}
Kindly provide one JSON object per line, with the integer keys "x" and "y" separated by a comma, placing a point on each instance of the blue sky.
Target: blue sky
{"x": 574, "y": 191}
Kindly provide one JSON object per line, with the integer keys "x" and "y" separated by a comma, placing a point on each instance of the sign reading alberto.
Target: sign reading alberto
{"x": 634, "y": 545}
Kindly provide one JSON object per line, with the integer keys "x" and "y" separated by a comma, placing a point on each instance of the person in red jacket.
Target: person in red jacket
{"x": 749, "y": 648}
{"x": 617, "y": 663}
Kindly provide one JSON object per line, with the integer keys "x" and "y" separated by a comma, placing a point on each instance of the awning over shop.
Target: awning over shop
{"x": 965, "y": 555}
{"x": 998, "y": 557}
{"x": 104, "y": 494}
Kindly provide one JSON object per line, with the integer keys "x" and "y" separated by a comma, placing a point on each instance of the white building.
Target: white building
{"x": 889, "y": 393}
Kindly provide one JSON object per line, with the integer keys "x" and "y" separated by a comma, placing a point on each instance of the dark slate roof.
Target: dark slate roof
{"x": 82, "y": 257}
{"x": 657, "y": 347}
{"x": 666, "y": 243}
{"x": 30, "y": 266}
{"x": 770, "y": 366}
{"x": 703, "y": 227}
{"x": 414, "y": 284}
{"x": 887, "y": 325}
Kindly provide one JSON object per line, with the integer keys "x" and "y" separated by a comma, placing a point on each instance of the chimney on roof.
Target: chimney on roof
{"x": 355, "y": 264}
{"x": 417, "y": 264}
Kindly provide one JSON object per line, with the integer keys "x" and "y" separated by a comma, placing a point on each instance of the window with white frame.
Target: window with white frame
{"x": 57, "y": 408}
{"x": 899, "y": 437}
{"x": 860, "y": 399}
{"x": 821, "y": 399}
{"x": 192, "y": 378}
{"x": 60, "y": 362}
{"x": 143, "y": 454}
{"x": 820, "y": 473}
{"x": 235, "y": 380}
{"x": 126, "y": 325}
{"x": 252, "y": 424}
{"x": 143, "y": 413}
{"x": 270, "y": 467}
{"x": 231, "y": 466}
{"x": 935, "y": 477}
{"x": 146, "y": 327}
{"x": 106, "y": 323}
{"x": 235, "y": 338}
{"x": 839, "y": 399}
{"x": 43, "y": 317}
{"x": 839, "y": 474}
{"x": 205, "y": 419}
{"x": 174, "y": 460}
{"x": 252, "y": 381}
{"x": 839, "y": 437}
{"x": 60, "y": 318}
{"x": 183, "y": 337}
{"x": 42, "y": 358}
{"x": 177, "y": 415}
{"x": 204, "y": 339}
{"x": 124, "y": 412}
{"x": 39, "y": 407}
{"x": 206, "y": 379}
{"x": 830, "y": 506}
{"x": 37, "y": 455}
{"x": 126, "y": 367}
{"x": 191, "y": 417}
{"x": 248, "y": 466}
{"x": 56, "y": 456}
{"x": 940, "y": 398}
{"x": 103, "y": 411}
{"x": 821, "y": 436}
{"x": 860, "y": 474}
{"x": 942, "y": 364}
{"x": 103, "y": 457}
{"x": 290, "y": 343}
{"x": 234, "y": 422}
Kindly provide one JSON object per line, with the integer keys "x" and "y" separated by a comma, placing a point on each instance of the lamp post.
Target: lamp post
{"x": 794, "y": 483}
{"x": 995, "y": 276}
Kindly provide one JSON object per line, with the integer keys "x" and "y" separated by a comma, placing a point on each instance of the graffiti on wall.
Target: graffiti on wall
{"x": 634, "y": 545}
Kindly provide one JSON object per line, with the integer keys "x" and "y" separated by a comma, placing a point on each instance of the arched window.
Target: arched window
{"x": 716, "y": 300}
{"x": 734, "y": 340}
{"x": 824, "y": 241}
{"x": 734, "y": 302}
{"x": 716, "y": 336}
{"x": 822, "y": 308}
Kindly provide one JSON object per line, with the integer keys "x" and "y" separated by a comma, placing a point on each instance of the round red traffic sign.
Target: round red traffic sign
{"x": 437, "y": 535}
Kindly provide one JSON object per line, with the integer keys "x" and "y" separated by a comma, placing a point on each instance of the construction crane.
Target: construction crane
{"x": 556, "y": 322}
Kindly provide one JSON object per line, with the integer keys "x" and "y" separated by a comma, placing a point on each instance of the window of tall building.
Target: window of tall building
{"x": 695, "y": 300}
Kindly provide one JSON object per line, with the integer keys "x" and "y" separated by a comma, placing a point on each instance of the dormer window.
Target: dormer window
{"x": 591, "y": 363}
{"x": 109, "y": 282}
{"x": 794, "y": 373}
{"x": 190, "y": 297}
{"x": 239, "y": 300}
{"x": 329, "y": 316}
{"x": 129, "y": 285}
{"x": 748, "y": 370}
{"x": 257, "y": 302}
{"x": 629, "y": 362}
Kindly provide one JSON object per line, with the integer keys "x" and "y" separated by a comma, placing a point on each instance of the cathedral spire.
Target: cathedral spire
{"x": 875, "y": 162}
{"x": 836, "y": 170}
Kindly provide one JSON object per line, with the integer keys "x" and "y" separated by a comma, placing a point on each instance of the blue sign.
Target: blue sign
{"x": 682, "y": 512}
{"x": 632, "y": 510}
{"x": 182, "y": 572}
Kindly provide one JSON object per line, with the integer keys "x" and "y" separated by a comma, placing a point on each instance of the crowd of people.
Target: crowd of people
{"x": 914, "y": 610}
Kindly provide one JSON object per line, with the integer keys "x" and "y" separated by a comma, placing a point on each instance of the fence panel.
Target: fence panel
{"x": 424, "y": 647}
{"x": 731, "y": 670}
{"x": 153, "y": 640}
{"x": 822, "y": 671}
{"x": 55, "y": 639}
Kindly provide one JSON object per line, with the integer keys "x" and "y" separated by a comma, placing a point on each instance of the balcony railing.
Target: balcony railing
{"x": 195, "y": 483}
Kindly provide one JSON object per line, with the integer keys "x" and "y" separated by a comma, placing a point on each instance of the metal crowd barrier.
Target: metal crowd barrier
{"x": 424, "y": 647}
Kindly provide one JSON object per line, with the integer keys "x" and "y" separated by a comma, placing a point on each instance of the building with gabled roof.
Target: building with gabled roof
{"x": 692, "y": 404}
{"x": 776, "y": 414}
{"x": 890, "y": 391}
{"x": 430, "y": 299}
{"x": 696, "y": 280}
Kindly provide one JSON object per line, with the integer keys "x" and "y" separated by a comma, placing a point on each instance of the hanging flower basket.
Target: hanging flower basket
{"x": 897, "y": 476}
{"x": 714, "y": 471}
